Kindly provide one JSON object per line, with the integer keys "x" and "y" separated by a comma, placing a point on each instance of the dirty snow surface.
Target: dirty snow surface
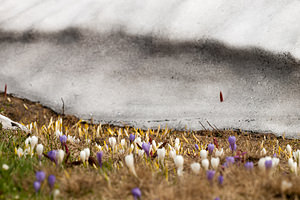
{"x": 146, "y": 63}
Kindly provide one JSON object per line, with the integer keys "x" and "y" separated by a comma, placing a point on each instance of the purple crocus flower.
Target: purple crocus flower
{"x": 220, "y": 179}
{"x": 63, "y": 139}
{"x": 196, "y": 146}
{"x": 275, "y": 155}
{"x": 210, "y": 175}
{"x": 52, "y": 155}
{"x": 146, "y": 147}
{"x": 136, "y": 192}
{"x": 232, "y": 144}
{"x": 230, "y": 159}
{"x": 99, "y": 158}
{"x": 51, "y": 181}
{"x": 249, "y": 165}
{"x": 210, "y": 148}
{"x": 37, "y": 186}
{"x": 40, "y": 176}
{"x": 268, "y": 164}
{"x": 131, "y": 138}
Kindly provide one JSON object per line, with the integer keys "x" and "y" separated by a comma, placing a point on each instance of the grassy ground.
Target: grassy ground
{"x": 156, "y": 180}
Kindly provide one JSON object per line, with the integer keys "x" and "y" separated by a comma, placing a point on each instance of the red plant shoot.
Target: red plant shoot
{"x": 221, "y": 97}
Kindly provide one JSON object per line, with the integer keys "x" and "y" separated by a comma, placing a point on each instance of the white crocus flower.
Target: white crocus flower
{"x": 296, "y": 155}
{"x": 263, "y": 152}
{"x": 39, "y": 149}
{"x": 130, "y": 163}
{"x": 219, "y": 153}
{"x": 289, "y": 149}
{"x": 172, "y": 153}
{"x": 83, "y": 156}
{"x": 203, "y": 154}
{"x": 33, "y": 142}
{"x": 215, "y": 162}
{"x": 87, "y": 153}
{"x": 205, "y": 163}
{"x": 261, "y": 164}
{"x": 56, "y": 193}
{"x": 60, "y": 156}
{"x": 112, "y": 141}
{"x": 20, "y": 152}
{"x": 179, "y": 164}
{"x": 195, "y": 167}
{"x": 293, "y": 165}
{"x": 161, "y": 153}
{"x": 5, "y": 167}
{"x": 27, "y": 142}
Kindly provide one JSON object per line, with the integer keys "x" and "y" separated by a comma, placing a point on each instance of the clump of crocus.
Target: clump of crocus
{"x": 99, "y": 158}
{"x": 210, "y": 148}
{"x": 267, "y": 163}
{"x": 179, "y": 164}
{"x": 146, "y": 148}
{"x": 51, "y": 181}
{"x": 131, "y": 138}
{"x": 136, "y": 193}
{"x": 195, "y": 167}
{"x": 210, "y": 175}
{"x": 249, "y": 165}
{"x": 232, "y": 144}
{"x": 130, "y": 163}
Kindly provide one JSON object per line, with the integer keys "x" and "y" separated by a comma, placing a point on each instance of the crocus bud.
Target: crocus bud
{"x": 112, "y": 141}
{"x": 232, "y": 144}
{"x": 83, "y": 156}
{"x": 261, "y": 164}
{"x": 179, "y": 161}
{"x": 63, "y": 139}
{"x": 195, "y": 167}
{"x": 5, "y": 167}
{"x": 268, "y": 164}
{"x": 136, "y": 193}
{"x": 39, "y": 149}
{"x": 40, "y": 176}
{"x": 210, "y": 148}
{"x": 205, "y": 164}
{"x": 51, "y": 181}
{"x": 210, "y": 175}
{"x": 130, "y": 163}
{"x": 289, "y": 149}
{"x": 203, "y": 154}
{"x": 161, "y": 153}
{"x": 60, "y": 156}
{"x": 220, "y": 179}
{"x": 131, "y": 138}
{"x": 36, "y": 186}
{"x": 215, "y": 162}
{"x": 146, "y": 148}
{"x": 56, "y": 192}
{"x": 196, "y": 146}
{"x": 99, "y": 158}
{"x": 172, "y": 153}
{"x": 87, "y": 153}
{"x": 52, "y": 155}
